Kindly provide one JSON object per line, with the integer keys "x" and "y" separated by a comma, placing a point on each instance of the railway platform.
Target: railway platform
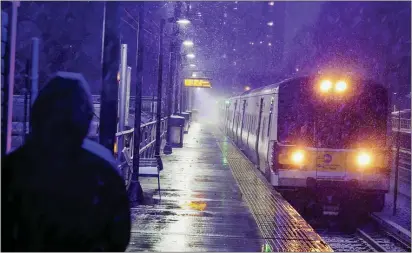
{"x": 213, "y": 199}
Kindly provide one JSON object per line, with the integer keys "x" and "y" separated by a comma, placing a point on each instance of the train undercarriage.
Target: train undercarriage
{"x": 347, "y": 204}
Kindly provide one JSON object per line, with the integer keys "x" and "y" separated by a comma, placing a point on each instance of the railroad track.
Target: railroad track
{"x": 361, "y": 241}
{"x": 382, "y": 241}
{"x": 343, "y": 242}
{"x": 370, "y": 237}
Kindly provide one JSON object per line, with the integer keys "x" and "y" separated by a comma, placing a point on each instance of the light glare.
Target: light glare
{"x": 183, "y": 21}
{"x": 190, "y": 56}
{"x": 188, "y": 43}
{"x": 364, "y": 159}
{"x": 341, "y": 86}
{"x": 297, "y": 157}
{"x": 325, "y": 85}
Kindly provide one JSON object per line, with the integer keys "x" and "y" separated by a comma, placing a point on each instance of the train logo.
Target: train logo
{"x": 327, "y": 158}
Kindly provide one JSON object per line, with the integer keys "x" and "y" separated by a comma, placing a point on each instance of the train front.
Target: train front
{"x": 332, "y": 144}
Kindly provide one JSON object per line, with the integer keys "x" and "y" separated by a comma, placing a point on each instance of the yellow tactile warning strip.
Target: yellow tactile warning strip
{"x": 280, "y": 225}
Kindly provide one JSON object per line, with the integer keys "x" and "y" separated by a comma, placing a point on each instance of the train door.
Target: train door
{"x": 227, "y": 117}
{"x": 242, "y": 124}
{"x": 233, "y": 119}
{"x": 237, "y": 124}
{"x": 258, "y": 132}
{"x": 266, "y": 130}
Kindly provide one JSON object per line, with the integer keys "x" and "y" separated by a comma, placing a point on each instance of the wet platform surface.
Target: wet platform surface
{"x": 212, "y": 199}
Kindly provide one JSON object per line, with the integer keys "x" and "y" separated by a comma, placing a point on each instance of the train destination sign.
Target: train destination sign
{"x": 198, "y": 82}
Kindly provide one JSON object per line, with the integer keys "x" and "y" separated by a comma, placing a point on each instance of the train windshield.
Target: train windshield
{"x": 357, "y": 122}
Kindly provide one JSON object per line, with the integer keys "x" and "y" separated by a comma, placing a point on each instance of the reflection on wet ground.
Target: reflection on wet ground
{"x": 206, "y": 205}
{"x": 201, "y": 206}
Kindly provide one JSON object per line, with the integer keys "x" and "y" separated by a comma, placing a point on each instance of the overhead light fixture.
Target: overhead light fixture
{"x": 183, "y": 21}
{"x": 188, "y": 43}
{"x": 190, "y": 56}
{"x": 271, "y": 3}
{"x": 270, "y": 23}
{"x": 192, "y": 65}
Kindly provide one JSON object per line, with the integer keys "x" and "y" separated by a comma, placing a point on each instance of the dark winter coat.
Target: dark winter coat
{"x": 56, "y": 194}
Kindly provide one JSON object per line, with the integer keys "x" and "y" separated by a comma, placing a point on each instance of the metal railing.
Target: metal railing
{"x": 146, "y": 147}
{"x": 405, "y": 124}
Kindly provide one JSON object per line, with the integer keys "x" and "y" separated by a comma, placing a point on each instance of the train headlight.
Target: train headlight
{"x": 341, "y": 86}
{"x": 298, "y": 157}
{"x": 364, "y": 159}
{"x": 325, "y": 86}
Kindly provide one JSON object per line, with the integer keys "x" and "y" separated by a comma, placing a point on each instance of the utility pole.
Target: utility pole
{"x": 172, "y": 65}
{"x": 176, "y": 82}
{"x": 12, "y": 55}
{"x": 110, "y": 65}
{"x": 159, "y": 88}
{"x": 136, "y": 189}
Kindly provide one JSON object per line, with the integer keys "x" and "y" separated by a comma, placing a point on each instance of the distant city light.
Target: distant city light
{"x": 271, "y": 3}
{"x": 269, "y": 44}
{"x": 190, "y": 56}
{"x": 247, "y": 88}
{"x": 297, "y": 69}
{"x": 188, "y": 43}
{"x": 261, "y": 42}
{"x": 235, "y": 8}
{"x": 270, "y": 23}
{"x": 183, "y": 21}
{"x": 251, "y": 43}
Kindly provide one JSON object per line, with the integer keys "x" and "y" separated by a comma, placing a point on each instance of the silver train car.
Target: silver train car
{"x": 322, "y": 143}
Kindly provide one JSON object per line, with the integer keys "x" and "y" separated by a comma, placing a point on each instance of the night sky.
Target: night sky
{"x": 235, "y": 43}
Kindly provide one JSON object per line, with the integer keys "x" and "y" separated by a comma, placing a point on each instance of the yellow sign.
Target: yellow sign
{"x": 201, "y": 83}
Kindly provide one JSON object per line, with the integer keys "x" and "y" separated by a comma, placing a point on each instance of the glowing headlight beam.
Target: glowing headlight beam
{"x": 325, "y": 86}
{"x": 341, "y": 86}
{"x": 364, "y": 159}
{"x": 298, "y": 157}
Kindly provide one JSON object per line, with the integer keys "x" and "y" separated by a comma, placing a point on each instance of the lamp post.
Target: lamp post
{"x": 159, "y": 89}
{"x": 172, "y": 61}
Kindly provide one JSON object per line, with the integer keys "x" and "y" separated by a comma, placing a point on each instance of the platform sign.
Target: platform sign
{"x": 197, "y": 82}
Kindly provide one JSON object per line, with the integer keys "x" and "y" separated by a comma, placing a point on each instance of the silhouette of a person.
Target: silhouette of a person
{"x": 60, "y": 193}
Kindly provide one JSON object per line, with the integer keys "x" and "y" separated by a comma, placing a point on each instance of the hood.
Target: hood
{"x": 62, "y": 111}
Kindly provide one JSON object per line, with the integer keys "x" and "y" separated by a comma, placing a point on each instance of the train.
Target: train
{"x": 321, "y": 141}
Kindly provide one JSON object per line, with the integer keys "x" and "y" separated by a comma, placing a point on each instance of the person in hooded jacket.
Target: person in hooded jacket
{"x": 60, "y": 193}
